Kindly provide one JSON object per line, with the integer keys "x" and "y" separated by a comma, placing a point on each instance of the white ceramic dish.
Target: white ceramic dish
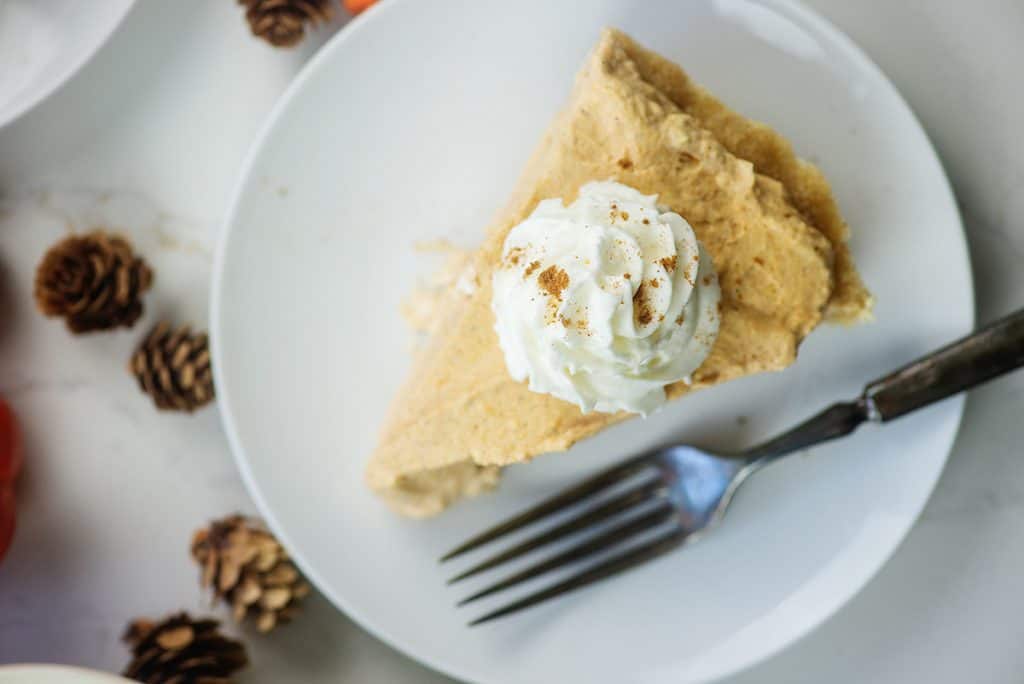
{"x": 413, "y": 124}
{"x": 43, "y": 43}
{"x": 54, "y": 674}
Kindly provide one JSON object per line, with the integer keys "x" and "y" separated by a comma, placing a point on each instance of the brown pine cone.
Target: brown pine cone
{"x": 173, "y": 367}
{"x": 93, "y": 281}
{"x": 282, "y": 23}
{"x": 181, "y": 650}
{"x": 249, "y": 570}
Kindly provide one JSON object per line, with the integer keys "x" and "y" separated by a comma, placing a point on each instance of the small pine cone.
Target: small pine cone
{"x": 173, "y": 367}
{"x": 94, "y": 281}
{"x": 249, "y": 570}
{"x": 181, "y": 650}
{"x": 282, "y": 23}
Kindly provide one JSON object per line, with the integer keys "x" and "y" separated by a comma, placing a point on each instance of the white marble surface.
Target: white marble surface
{"x": 147, "y": 140}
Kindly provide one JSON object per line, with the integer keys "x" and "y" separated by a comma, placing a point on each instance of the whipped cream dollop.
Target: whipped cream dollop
{"x": 604, "y": 302}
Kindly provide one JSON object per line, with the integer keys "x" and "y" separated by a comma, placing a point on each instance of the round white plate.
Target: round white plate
{"x": 413, "y": 124}
{"x": 54, "y": 674}
{"x": 44, "y": 42}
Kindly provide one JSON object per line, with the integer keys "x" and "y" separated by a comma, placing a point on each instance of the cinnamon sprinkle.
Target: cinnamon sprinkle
{"x": 641, "y": 307}
{"x": 534, "y": 265}
{"x": 553, "y": 280}
{"x": 580, "y": 323}
{"x": 512, "y": 258}
{"x": 669, "y": 263}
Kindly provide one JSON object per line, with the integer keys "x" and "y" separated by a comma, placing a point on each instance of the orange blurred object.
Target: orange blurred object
{"x": 357, "y": 6}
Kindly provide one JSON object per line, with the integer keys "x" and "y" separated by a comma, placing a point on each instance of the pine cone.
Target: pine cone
{"x": 282, "y": 23}
{"x": 93, "y": 281}
{"x": 180, "y": 650}
{"x": 173, "y": 367}
{"x": 249, "y": 570}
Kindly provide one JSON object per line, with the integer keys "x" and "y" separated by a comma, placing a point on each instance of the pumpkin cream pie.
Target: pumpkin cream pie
{"x": 657, "y": 243}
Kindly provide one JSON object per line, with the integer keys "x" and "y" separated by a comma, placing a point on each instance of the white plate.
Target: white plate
{"x": 54, "y": 674}
{"x": 414, "y": 124}
{"x": 44, "y": 42}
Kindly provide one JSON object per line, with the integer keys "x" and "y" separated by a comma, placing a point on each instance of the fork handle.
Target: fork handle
{"x": 996, "y": 349}
{"x": 991, "y": 351}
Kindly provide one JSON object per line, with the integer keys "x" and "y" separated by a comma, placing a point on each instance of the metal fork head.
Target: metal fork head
{"x": 699, "y": 484}
{"x": 623, "y": 516}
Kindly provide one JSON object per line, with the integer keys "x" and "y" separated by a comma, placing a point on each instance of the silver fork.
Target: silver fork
{"x": 681, "y": 492}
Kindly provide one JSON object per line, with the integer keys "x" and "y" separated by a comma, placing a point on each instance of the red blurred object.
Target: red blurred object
{"x": 6, "y": 518}
{"x": 10, "y": 445}
{"x": 357, "y": 6}
{"x": 10, "y": 465}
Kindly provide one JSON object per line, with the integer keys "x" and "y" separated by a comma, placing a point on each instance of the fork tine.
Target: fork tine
{"x": 561, "y": 500}
{"x": 635, "y": 496}
{"x": 597, "y": 543}
{"x": 619, "y": 563}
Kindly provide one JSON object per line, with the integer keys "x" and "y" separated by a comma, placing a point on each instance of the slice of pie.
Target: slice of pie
{"x": 767, "y": 218}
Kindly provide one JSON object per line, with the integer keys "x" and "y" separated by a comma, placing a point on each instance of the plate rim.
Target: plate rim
{"x": 9, "y": 113}
{"x": 794, "y": 9}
